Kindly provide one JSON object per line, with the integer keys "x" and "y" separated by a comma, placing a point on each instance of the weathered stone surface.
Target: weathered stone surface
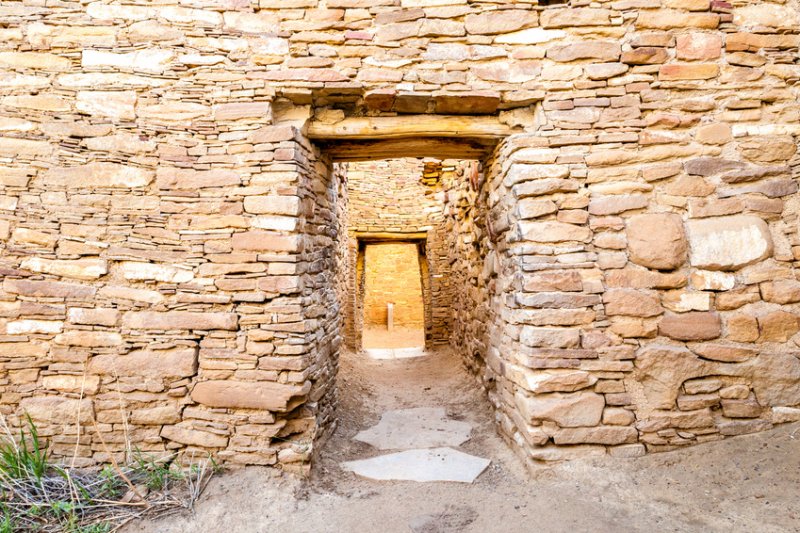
{"x": 78, "y": 268}
{"x": 553, "y": 232}
{"x": 611, "y": 205}
{"x": 559, "y": 381}
{"x": 723, "y": 352}
{"x": 266, "y": 395}
{"x": 194, "y": 437}
{"x": 113, "y": 104}
{"x": 662, "y": 368}
{"x": 89, "y": 339}
{"x": 693, "y": 326}
{"x": 152, "y": 271}
{"x": 608, "y": 435}
{"x": 597, "y": 50}
{"x": 48, "y": 289}
{"x": 179, "y": 320}
{"x": 58, "y": 410}
{"x": 632, "y": 302}
{"x": 147, "y": 364}
{"x": 567, "y": 410}
{"x": 174, "y": 178}
{"x": 505, "y": 21}
{"x": 110, "y": 175}
{"x": 657, "y": 241}
{"x": 728, "y": 243}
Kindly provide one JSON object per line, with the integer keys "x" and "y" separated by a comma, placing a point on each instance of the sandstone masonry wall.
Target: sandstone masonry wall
{"x": 172, "y": 243}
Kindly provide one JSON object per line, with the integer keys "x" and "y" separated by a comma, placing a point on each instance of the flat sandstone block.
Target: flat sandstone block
{"x": 438, "y": 464}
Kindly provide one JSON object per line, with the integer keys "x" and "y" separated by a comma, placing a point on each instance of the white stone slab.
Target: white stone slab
{"x": 395, "y": 353}
{"x": 421, "y": 427}
{"x": 437, "y": 464}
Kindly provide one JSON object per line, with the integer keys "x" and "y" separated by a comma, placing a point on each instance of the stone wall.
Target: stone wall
{"x": 393, "y": 275}
{"x": 172, "y": 243}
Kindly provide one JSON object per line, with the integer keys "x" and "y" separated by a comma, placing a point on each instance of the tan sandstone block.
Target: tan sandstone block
{"x": 93, "y": 316}
{"x": 742, "y": 328}
{"x": 553, "y": 232}
{"x": 118, "y": 105}
{"x": 608, "y": 435}
{"x": 273, "y": 205}
{"x": 632, "y": 302}
{"x": 179, "y": 178}
{"x": 264, "y": 241}
{"x": 266, "y": 395}
{"x": 718, "y": 133}
{"x": 58, "y": 410}
{"x": 597, "y": 50}
{"x": 699, "y": 46}
{"x": 111, "y": 175}
{"x": 565, "y": 409}
{"x": 152, "y": 364}
{"x": 505, "y": 21}
{"x": 688, "y": 71}
{"x": 194, "y": 437}
{"x": 156, "y": 416}
{"x": 48, "y": 289}
{"x": 778, "y": 326}
{"x": 728, "y": 243}
{"x": 667, "y": 19}
{"x": 657, "y": 241}
{"x": 34, "y": 60}
{"x": 179, "y": 320}
{"x": 72, "y": 383}
{"x": 88, "y": 339}
{"x": 692, "y": 326}
{"x": 77, "y": 268}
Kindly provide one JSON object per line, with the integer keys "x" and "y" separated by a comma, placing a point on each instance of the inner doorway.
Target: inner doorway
{"x": 394, "y": 308}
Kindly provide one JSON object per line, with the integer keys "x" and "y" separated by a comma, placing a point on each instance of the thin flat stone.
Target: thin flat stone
{"x": 421, "y": 427}
{"x": 437, "y": 464}
{"x": 395, "y": 353}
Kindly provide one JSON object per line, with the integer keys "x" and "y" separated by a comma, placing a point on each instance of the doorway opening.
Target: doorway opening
{"x": 402, "y": 217}
{"x": 398, "y": 295}
{"x": 394, "y": 308}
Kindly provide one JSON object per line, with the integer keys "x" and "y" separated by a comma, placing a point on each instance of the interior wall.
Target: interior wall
{"x": 393, "y": 275}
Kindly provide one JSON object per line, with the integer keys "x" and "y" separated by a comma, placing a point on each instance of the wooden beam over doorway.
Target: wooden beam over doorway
{"x": 404, "y": 126}
{"x": 410, "y": 147}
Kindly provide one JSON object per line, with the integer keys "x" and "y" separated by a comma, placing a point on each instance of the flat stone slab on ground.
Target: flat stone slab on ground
{"x": 420, "y": 427}
{"x": 437, "y": 464}
{"x": 395, "y": 353}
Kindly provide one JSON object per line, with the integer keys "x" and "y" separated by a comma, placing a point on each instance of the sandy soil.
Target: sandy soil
{"x": 748, "y": 483}
{"x": 397, "y": 338}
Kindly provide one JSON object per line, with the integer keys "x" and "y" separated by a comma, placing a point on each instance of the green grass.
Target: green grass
{"x": 38, "y": 496}
{"x": 19, "y": 461}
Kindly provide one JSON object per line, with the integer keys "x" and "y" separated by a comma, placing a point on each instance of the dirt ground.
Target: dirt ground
{"x": 399, "y": 338}
{"x": 748, "y": 483}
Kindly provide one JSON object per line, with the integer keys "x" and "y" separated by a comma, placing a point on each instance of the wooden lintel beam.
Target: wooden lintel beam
{"x": 390, "y": 236}
{"x": 475, "y": 127}
{"x": 412, "y": 147}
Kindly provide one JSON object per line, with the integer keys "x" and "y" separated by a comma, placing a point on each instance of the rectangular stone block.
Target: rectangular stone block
{"x": 150, "y": 364}
{"x": 264, "y": 241}
{"x": 52, "y": 289}
{"x": 179, "y": 320}
{"x": 265, "y": 395}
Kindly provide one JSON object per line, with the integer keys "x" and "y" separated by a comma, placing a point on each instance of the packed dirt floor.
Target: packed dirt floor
{"x": 747, "y": 483}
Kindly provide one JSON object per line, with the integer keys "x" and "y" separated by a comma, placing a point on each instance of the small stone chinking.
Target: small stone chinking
{"x": 623, "y": 273}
